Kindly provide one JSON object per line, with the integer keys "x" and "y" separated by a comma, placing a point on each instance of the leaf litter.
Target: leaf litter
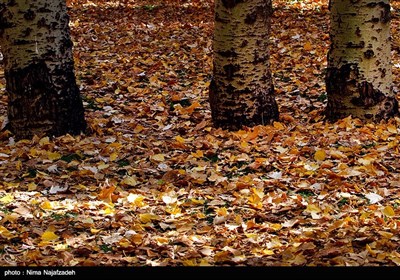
{"x": 154, "y": 184}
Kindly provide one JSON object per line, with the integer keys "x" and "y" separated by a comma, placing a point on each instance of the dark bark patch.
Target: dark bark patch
{"x": 383, "y": 72}
{"x": 335, "y": 79}
{"x": 251, "y": 18}
{"x": 12, "y": 3}
{"x": 230, "y": 70}
{"x": 368, "y": 96}
{"x": 218, "y": 18}
{"x": 385, "y": 13}
{"x": 267, "y": 108}
{"x": 4, "y": 22}
{"x": 259, "y": 58}
{"x": 27, "y": 32}
{"x": 390, "y": 108}
{"x": 234, "y": 114}
{"x": 356, "y": 46}
{"x": 230, "y": 53}
{"x": 30, "y": 90}
{"x": 244, "y": 43}
{"x": 230, "y": 111}
{"x": 44, "y": 10}
{"x": 42, "y": 23}
{"x": 21, "y": 42}
{"x": 66, "y": 44}
{"x": 337, "y": 82}
{"x": 374, "y": 20}
{"x": 29, "y": 15}
{"x": 230, "y": 4}
{"x": 42, "y": 102}
{"x": 358, "y": 32}
{"x": 368, "y": 54}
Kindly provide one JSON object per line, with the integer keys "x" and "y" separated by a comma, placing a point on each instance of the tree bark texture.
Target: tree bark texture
{"x": 359, "y": 73}
{"x": 241, "y": 92}
{"x": 43, "y": 97}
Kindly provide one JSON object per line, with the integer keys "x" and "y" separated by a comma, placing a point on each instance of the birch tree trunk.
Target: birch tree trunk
{"x": 359, "y": 74}
{"x": 241, "y": 92}
{"x": 43, "y": 97}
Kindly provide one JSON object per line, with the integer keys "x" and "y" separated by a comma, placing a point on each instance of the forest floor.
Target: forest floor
{"x": 153, "y": 183}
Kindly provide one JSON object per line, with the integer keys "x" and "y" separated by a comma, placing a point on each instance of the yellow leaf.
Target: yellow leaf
{"x": 147, "y": 217}
{"x": 113, "y": 156}
{"x": 158, "y": 157}
{"x": 138, "y": 128}
{"x": 7, "y": 199}
{"x": 189, "y": 262}
{"x": 258, "y": 192}
{"x": 386, "y": 234}
{"x": 198, "y": 154}
{"x": 18, "y": 165}
{"x": 136, "y": 200}
{"x": 61, "y": 247}
{"x": 251, "y": 235}
{"x": 137, "y": 239}
{"x": 53, "y": 156}
{"x": 244, "y": 144}
{"x": 370, "y": 250}
{"x": 173, "y": 210}
{"x": 180, "y": 139}
{"x": 196, "y": 201}
{"x": 162, "y": 240}
{"x": 102, "y": 166}
{"x": 46, "y": 205}
{"x": 49, "y": 236}
{"x": 367, "y": 160}
{"x": 44, "y": 141}
{"x": 94, "y": 230}
{"x": 130, "y": 181}
{"x": 33, "y": 152}
{"x": 267, "y": 252}
{"x": 32, "y": 186}
{"x": 392, "y": 128}
{"x": 276, "y": 226}
{"x": 388, "y": 211}
{"x": 222, "y": 211}
{"x": 5, "y": 233}
{"x": 320, "y": 155}
{"x": 108, "y": 211}
{"x": 124, "y": 243}
{"x": 312, "y": 208}
{"x": 278, "y": 125}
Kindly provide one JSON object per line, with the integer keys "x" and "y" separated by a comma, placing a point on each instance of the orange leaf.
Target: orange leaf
{"x": 106, "y": 194}
{"x": 307, "y": 46}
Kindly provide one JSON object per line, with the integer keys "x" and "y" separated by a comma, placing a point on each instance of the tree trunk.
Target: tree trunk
{"x": 43, "y": 97}
{"x": 241, "y": 92}
{"x": 359, "y": 74}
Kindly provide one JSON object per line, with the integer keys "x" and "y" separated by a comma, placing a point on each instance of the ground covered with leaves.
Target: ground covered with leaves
{"x": 153, "y": 183}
